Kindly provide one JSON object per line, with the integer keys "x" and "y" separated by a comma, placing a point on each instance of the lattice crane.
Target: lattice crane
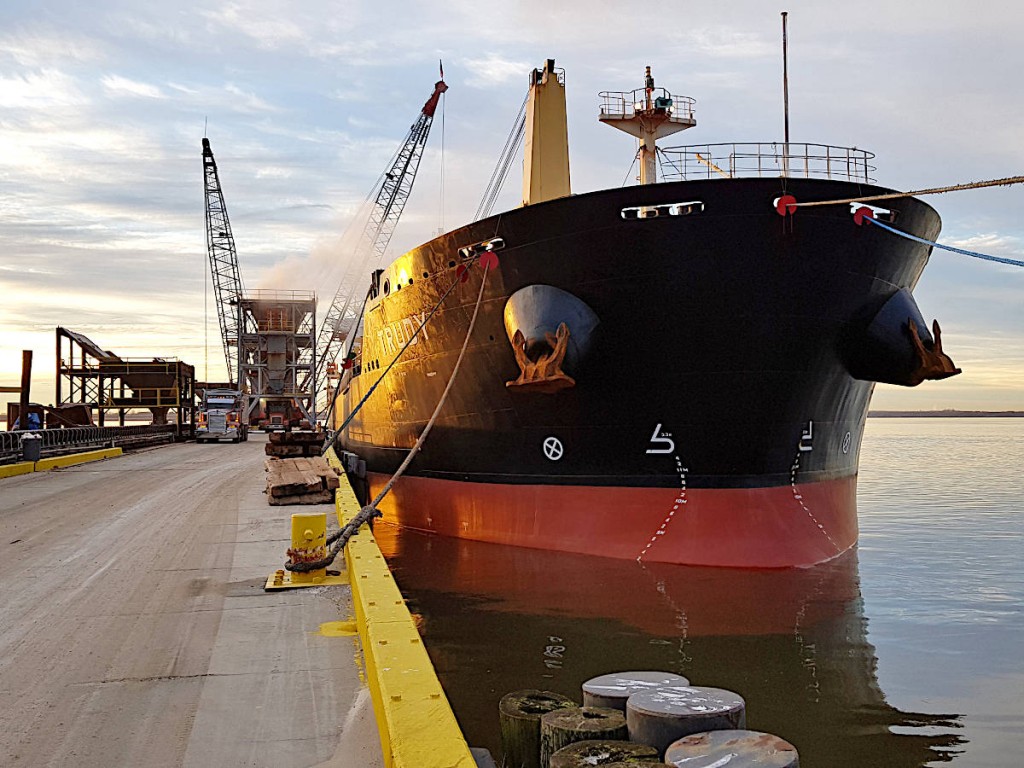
{"x": 227, "y": 282}
{"x": 339, "y": 322}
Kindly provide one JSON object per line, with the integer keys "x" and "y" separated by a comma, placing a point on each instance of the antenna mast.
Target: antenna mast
{"x": 785, "y": 96}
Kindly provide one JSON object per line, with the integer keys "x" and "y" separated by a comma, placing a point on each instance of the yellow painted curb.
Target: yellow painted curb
{"x": 21, "y": 468}
{"x": 416, "y": 723}
{"x": 76, "y": 458}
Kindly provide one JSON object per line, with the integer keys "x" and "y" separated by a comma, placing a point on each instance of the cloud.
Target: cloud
{"x": 269, "y": 29}
{"x": 728, "y": 42}
{"x": 38, "y": 49}
{"x": 118, "y": 85}
{"x": 247, "y": 101}
{"x": 40, "y": 89}
{"x": 274, "y": 172}
{"x": 990, "y": 244}
{"x": 494, "y": 70}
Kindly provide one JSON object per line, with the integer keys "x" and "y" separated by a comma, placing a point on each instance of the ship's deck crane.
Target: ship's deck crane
{"x": 339, "y": 322}
{"x": 227, "y": 281}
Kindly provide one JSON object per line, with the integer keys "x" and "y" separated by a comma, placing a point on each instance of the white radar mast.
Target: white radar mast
{"x": 648, "y": 113}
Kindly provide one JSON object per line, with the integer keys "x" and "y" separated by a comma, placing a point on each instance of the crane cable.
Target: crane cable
{"x": 497, "y": 181}
{"x": 630, "y": 169}
{"x": 339, "y": 539}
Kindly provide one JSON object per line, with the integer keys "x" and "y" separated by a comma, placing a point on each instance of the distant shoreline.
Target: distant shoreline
{"x": 947, "y": 414}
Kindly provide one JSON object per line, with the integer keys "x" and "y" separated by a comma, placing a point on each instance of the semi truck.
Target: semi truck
{"x": 222, "y": 416}
{"x": 275, "y": 413}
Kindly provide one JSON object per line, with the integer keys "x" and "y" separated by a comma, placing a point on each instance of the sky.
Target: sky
{"x": 103, "y": 106}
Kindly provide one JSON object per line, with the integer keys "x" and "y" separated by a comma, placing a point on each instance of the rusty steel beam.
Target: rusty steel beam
{"x": 26, "y": 383}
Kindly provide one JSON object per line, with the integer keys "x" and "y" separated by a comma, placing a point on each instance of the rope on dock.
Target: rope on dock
{"x": 933, "y": 191}
{"x": 339, "y": 539}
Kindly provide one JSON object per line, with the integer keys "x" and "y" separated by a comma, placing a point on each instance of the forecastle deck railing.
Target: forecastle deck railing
{"x": 762, "y": 159}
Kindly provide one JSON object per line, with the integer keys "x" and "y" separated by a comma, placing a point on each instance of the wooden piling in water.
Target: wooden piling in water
{"x": 519, "y": 714}
{"x": 663, "y": 715}
{"x": 566, "y": 726}
{"x": 612, "y": 690}
{"x": 742, "y": 749}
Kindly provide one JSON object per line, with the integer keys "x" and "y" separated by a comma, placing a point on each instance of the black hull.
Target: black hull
{"x": 722, "y": 349}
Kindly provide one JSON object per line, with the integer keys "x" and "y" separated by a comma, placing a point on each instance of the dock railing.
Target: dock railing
{"x": 766, "y": 159}
{"x": 72, "y": 439}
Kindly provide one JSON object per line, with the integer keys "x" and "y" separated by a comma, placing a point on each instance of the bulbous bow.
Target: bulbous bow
{"x": 893, "y": 345}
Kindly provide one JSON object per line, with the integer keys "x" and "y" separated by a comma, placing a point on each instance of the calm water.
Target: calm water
{"x": 908, "y": 651}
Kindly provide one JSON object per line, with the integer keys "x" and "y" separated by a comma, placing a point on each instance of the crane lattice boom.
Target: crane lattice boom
{"x": 341, "y": 318}
{"x": 227, "y": 282}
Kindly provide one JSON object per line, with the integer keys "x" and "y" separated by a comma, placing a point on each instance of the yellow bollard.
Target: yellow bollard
{"x": 308, "y": 545}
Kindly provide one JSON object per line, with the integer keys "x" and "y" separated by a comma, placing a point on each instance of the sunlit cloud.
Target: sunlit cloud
{"x": 40, "y": 89}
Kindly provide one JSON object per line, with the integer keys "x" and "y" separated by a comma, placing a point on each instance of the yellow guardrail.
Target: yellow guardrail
{"x": 416, "y": 723}
{"x": 21, "y": 468}
{"x": 56, "y": 462}
{"x": 76, "y": 458}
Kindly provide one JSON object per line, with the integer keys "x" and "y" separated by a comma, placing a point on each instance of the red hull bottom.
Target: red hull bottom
{"x": 778, "y": 527}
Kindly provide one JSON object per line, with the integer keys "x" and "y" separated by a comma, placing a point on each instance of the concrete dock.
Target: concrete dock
{"x": 135, "y": 629}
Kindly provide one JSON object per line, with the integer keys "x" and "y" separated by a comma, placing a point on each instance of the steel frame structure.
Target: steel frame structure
{"x": 277, "y": 348}
{"x": 104, "y": 382}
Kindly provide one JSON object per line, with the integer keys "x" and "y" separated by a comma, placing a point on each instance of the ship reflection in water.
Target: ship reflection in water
{"x": 792, "y": 642}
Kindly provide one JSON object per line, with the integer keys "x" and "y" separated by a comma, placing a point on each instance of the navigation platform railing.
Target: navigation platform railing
{"x": 766, "y": 159}
{"x": 623, "y": 104}
{"x": 64, "y": 440}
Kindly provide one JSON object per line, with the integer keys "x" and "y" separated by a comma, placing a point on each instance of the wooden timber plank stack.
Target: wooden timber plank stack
{"x": 307, "y": 480}
{"x": 297, "y": 442}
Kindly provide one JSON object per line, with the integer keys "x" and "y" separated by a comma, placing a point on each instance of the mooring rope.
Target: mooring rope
{"x": 933, "y": 191}
{"x": 444, "y": 395}
{"x": 340, "y": 538}
{"x": 915, "y": 238}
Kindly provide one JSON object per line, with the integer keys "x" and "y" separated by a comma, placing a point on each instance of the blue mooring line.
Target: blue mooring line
{"x": 975, "y": 254}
